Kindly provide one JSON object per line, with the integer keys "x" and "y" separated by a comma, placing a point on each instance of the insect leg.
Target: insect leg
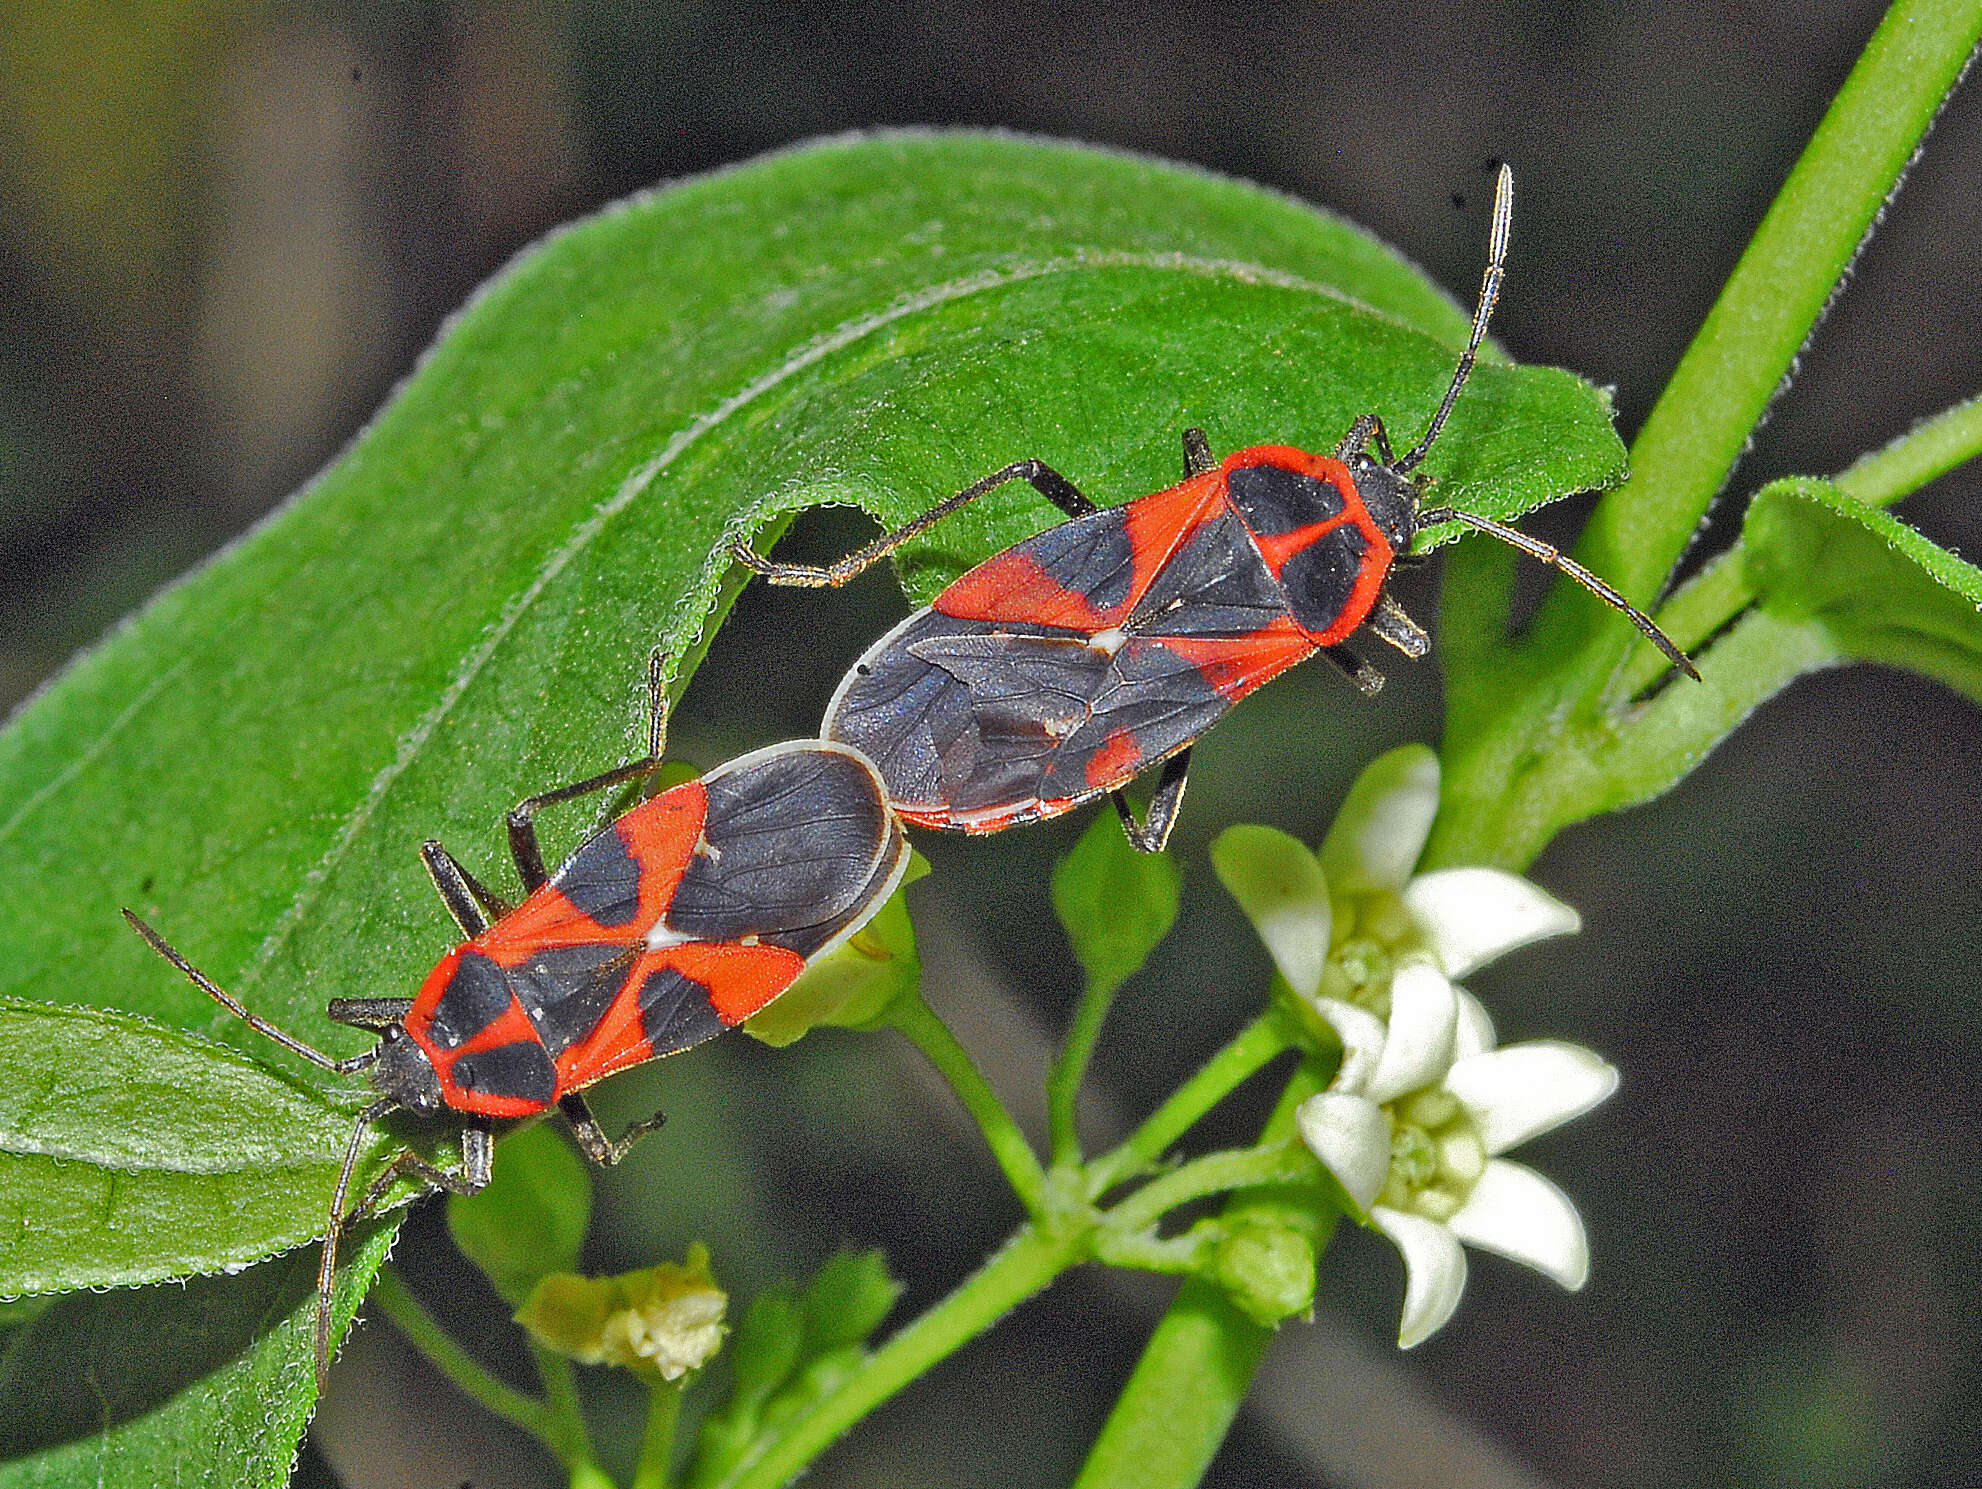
{"x": 1048, "y": 482}
{"x": 1390, "y": 622}
{"x": 369, "y": 1013}
{"x": 523, "y": 846}
{"x": 477, "y": 1166}
{"x": 472, "y": 903}
{"x": 1153, "y": 832}
{"x": 1368, "y": 681}
{"x": 1197, "y": 453}
{"x": 1367, "y": 430}
{"x": 592, "y": 1140}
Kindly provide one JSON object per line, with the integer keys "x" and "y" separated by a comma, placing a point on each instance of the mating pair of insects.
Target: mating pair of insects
{"x": 1052, "y": 673}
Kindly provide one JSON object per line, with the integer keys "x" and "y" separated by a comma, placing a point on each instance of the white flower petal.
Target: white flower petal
{"x": 1434, "y": 1272}
{"x": 1363, "y": 1036}
{"x": 1351, "y": 1137}
{"x": 1516, "y": 1212}
{"x": 1526, "y": 1089}
{"x": 1278, "y": 883}
{"x": 1376, "y": 838}
{"x": 1475, "y": 1032}
{"x": 1423, "y": 1013}
{"x": 1472, "y": 916}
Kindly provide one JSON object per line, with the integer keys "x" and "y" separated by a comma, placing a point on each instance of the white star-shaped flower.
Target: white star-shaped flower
{"x": 1423, "y": 1105}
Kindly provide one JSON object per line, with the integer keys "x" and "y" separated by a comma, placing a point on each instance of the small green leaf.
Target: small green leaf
{"x": 766, "y": 1348}
{"x": 131, "y": 1152}
{"x": 1114, "y": 902}
{"x": 1878, "y": 589}
{"x": 531, "y": 1219}
{"x": 847, "y": 1299}
{"x": 1280, "y": 886}
{"x": 790, "y": 1350}
{"x": 1376, "y": 837}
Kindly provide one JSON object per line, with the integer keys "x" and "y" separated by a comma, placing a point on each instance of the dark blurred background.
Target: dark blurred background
{"x": 231, "y": 226}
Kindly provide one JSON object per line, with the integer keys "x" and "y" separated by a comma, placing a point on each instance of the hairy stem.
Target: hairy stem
{"x": 1063, "y": 1082}
{"x": 656, "y": 1467}
{"x": 1008, "y": 1144}
{"x": 1250, "y": 1050}
{"x": 1196, "y": 1369}
{"x": 424, "y": 1334}
{"x": 1215, "y": 1173}
{"x": 1025, "y": 1266}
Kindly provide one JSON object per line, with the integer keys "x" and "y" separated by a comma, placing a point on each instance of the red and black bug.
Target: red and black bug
{"x": 1058, "y": 670}
{"x": 678, "y": 920}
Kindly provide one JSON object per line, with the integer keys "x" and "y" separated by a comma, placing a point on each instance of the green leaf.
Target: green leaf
{"x": 205, "y": 1382}
{"x": 791, "y": 1349}
{"x": 1279, "y": 885}
{"x": 1879, "y": 590}
{"x": 531, "y": 1219}
{"x": 765, "y": 1350}
{"x": 847, "y": 1300}
{"x": 453, "y": 615}
{"x": 1115, "y": 903}
{"x": 123, "y": 1143}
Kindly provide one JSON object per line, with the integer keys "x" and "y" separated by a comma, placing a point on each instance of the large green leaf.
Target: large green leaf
{"x": 123, "y": 1142}
{"x": 455, "y": 613}
{"x": 1880, "y": 591}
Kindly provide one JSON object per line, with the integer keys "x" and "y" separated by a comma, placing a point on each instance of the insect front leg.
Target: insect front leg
{"x": 1390, "y": 622}
{"x": 477, "y": 1168}
{"x": 523, "y": 845}
{"x": 1048, "y": 482}
{"x": 1152, "y": 834}
{"x": 592, "y": 1139}
{"x": 1368, "y": 429}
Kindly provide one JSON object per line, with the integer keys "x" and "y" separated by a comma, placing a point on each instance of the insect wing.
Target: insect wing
{"x": 671, "y": 1000}
{"x": 1089, "y": 573}
{"x": 981, "y": 725}
{"x": 799, "y": 848}
{"x": 618, "y": 883}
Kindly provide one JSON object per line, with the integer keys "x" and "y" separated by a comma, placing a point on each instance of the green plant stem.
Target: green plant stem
{"x": 656, "y": 1467}
{"x": 1195, "y": 1371}
{"x": 1026, "y": 1265}
{"x": 1215, "y": 1173}
{"x": 1063, "y": 1082}
{"x": 1930, "y": 448}
{"x": 566, "y": 1417}
{"x": 1720, "y": 591}
{"x": 1779, "y": 291}
{"x": 1527, "y": 737}
{"x": 424, "y": 1334}
{"x": 1008, "y": 1144}
{"x": 1247, "y": 1052}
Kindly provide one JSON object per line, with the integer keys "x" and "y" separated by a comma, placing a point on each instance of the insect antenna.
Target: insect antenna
{"x": 234, "y": 1006}
{"x": 1496, "y": 271}
{"x": 1556, "y": 559}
